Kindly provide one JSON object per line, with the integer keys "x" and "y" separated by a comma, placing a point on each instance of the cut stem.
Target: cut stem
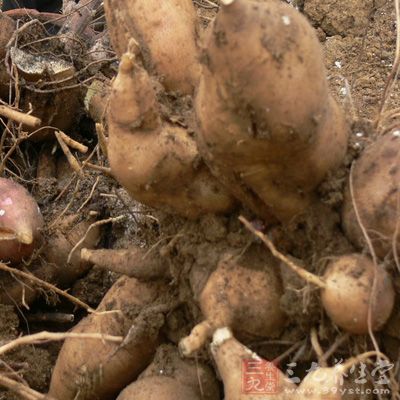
{"x": 200, "y": 333}
{"x": 44, "y": 336}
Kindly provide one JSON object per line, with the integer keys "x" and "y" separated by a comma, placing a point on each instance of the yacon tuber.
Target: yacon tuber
{"x": 170, "y": 378}
{"x": 157, "y": 162}
{"x": 166, "y": 33}
{"x": 268, "y": 127}
{"x": 357, "y": 294}
{"x": 92, "y": 369}
{"x": 374, "y": 191}
{"x": 242, "y": 294}
{"x": 20, "y": 222}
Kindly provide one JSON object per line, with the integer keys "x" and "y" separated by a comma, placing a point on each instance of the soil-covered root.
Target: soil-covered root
{"x": 319, "y": 384}
{"x": 268, "y": 126}
{"x": 242, "y": 294}
{"x": 170, "y": 378}
{"x": 166, "y": 33}
{"x": 157, "y": 162}
{"x": 134, "y": 262}
{"x": 20, "y": 222}
{"x": 229, "y": 355}
{"x": 372, "y": 198}
{"x": 88, "y": 369}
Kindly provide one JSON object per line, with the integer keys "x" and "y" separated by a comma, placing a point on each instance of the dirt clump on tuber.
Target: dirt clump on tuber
{"x": 156, "y": 161}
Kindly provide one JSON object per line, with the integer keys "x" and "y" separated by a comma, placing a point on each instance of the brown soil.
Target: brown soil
{"x": 359, "y": 38}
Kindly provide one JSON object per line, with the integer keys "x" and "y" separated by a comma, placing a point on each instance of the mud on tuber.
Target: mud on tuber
{"x": 205, "y": 155}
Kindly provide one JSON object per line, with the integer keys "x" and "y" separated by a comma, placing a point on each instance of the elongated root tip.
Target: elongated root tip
{"x": 190, "y": 344}
{"x": 127, "y": 63}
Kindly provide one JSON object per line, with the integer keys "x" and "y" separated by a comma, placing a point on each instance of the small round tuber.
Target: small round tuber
{"x": 357, "y": 294}
{"x": 327, "y": 383}
{"x": 243, "y": 295}
{"x": 20, "y": 222}
{"x": 349, "y": 285}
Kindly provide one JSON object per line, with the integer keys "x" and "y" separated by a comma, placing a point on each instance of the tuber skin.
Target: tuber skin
{"x": 243, "y": 295}
{"x": 348, "y": 289}
{"x": 134, "y": 262}
{"x": 61, "y": 243}
{"x": 229, "y": 354}
{"x": 91, "y": 369}
{"x": 268, "y": 127}
{"x": 20, "y": 222}
{"x": 54, "y": 267}
{"x": 157, "y": 162}
{"x": 166, "y": 33}
{"x": 375, "y": 177}
{"x": 170, "y": 378}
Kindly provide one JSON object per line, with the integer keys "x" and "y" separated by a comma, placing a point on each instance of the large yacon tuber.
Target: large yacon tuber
{"x": 269, "y": 128}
